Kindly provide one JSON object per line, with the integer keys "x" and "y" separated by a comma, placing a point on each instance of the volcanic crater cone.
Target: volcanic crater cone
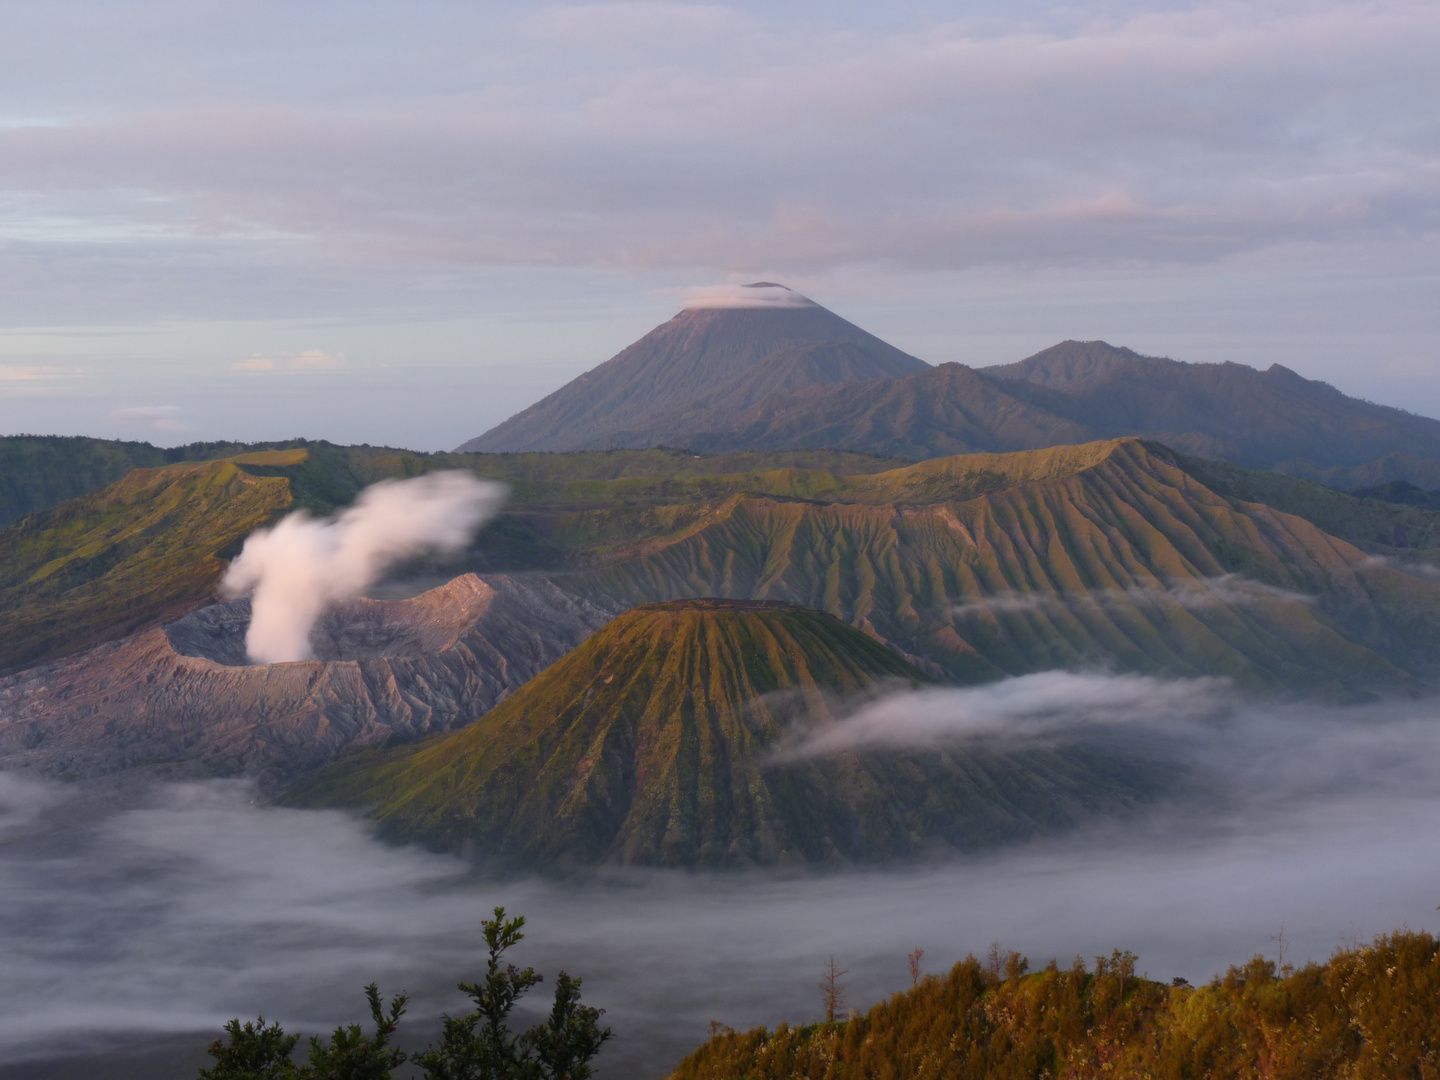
{"x": 655, "y": 742}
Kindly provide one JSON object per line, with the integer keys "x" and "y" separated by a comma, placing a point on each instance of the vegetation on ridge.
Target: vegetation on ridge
{"x": 1108, "y": 553}
{"x": 974, "y": 566}
{"x": 1367, "y": 1014}
{"x": 476, "y": 1046}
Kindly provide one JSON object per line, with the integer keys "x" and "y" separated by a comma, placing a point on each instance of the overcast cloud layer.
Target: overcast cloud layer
{"x": 166, "y": 168}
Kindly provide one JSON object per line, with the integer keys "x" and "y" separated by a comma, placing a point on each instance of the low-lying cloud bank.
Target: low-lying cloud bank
{"x": 167, "y": 920}
{"x": 302, "y": 565}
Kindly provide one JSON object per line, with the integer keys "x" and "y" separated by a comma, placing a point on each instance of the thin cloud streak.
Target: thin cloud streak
{"x": 1028, "y": 709}
{"x": 1195, "y": 594}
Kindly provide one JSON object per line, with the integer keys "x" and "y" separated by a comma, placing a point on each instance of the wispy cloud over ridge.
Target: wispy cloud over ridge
{"x": 1193, "y": 594}
{"x": 16, "y": 373}
{"x": 160, "y": 419}
{"x": 1028, "y": 709}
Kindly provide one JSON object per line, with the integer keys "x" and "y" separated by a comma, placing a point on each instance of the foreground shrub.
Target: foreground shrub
{"x": 476, "y": 1046}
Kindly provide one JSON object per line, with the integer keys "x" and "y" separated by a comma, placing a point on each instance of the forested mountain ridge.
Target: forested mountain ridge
{"x": 1260, "y": 419}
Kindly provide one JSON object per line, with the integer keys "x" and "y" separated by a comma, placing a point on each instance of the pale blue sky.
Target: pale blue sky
{"x": 401, "y": 223}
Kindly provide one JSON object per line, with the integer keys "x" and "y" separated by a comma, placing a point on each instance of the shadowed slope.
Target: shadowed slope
{"x": 41, "y": 471}
{"x": 949, "y": 409}
{"x": 1256, "y": 418}
{"x": 1082, "y": 390}
{"x": 650, "y": 744}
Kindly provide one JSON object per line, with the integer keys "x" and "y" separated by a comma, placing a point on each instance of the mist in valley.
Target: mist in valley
{"x": 134, "y": 930}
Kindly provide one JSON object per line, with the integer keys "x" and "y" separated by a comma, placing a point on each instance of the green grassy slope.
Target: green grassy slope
{"x": 649, "y": 744}
{"x": 143, "y": 550}
{"x": 1372, "y": 520}
{"x": 1106, "y": 554}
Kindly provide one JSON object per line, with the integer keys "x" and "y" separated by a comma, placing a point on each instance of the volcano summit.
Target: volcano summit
{"x": 700, "y": 371}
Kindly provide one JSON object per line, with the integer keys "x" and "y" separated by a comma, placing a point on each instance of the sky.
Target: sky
{"x": 401, "y": 223}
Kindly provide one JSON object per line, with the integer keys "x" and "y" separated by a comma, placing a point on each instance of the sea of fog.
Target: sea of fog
{"x": 130, "y": 931}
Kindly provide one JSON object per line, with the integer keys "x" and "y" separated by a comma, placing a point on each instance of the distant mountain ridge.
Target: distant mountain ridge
{"x": 795, "y": 376}
{"x": 1261, "y": 419}
{"x": 1081, "y": 391}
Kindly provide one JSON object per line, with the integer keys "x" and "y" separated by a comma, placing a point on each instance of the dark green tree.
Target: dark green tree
{"x": 481, "y": 1046}
{"x": 477, "y": 1046}
{"x": 256, "y": 1051}
{"x": 350, "y": 1054}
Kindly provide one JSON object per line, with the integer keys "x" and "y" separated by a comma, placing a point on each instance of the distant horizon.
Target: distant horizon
{"x": 166, "y": 434}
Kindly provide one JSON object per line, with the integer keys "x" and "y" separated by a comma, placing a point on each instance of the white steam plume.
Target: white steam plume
{"x": 303, "y": 565}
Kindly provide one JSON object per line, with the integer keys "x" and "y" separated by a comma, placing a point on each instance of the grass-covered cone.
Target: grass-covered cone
{"x": 655, "y": 743}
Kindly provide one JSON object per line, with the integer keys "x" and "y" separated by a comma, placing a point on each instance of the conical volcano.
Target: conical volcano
{"x": 705, "y": 366}
{"x": 655, "y": 743}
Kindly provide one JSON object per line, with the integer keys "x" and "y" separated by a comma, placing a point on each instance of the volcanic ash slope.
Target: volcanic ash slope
{"x": 185, "y": 697}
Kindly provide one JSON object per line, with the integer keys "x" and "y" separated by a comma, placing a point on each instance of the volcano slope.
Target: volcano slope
{"x": 185, "y": 700}
{"x": 1108, "y": 554}
{"x": 654, "y": 743}
{"x": 1119, "y": 555}
{"x": 143, "y": 550}
{"x": 711, "y": 362}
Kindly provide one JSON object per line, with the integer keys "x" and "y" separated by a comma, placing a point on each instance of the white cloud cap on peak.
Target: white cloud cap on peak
{"x": 759, "y": 294}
